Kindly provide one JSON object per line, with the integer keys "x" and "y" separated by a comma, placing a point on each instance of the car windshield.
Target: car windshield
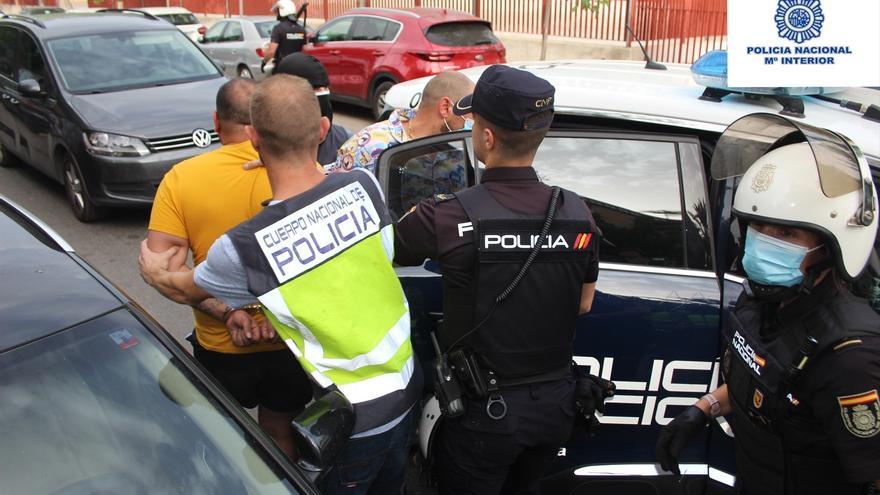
{"x": 179, "y": 19}
{"x": 265, "y": 28}
{"x": 461, "y": 34}
{"x": 105, "y": 408}
{"x": 104, "y": 62}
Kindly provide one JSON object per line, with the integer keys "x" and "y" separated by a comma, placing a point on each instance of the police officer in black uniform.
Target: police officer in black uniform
{"x": 517, "y": 335}
{"x": 802, "y": 358}
{"x": 288, "y": 36}
{"x": 312, "y": 70}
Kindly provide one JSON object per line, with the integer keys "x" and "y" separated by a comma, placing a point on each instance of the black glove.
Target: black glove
{"x": 675, "y": 435}
{"x": 591, "y": 394}
{"x": 590, "y": 397}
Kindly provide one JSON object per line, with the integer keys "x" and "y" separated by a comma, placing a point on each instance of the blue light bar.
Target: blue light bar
{"x": 710, "y": 71}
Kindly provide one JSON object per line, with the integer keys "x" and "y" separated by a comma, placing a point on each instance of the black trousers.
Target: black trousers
{"x": 483, "y": 456}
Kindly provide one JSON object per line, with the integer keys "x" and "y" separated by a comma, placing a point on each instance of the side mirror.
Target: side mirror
{"x": 30, "y": 87}
{"x": 322, "y": 431}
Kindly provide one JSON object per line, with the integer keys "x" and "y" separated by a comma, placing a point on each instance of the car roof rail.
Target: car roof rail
{"x": 24, "y": 18}
{"x": 135, "y": 11}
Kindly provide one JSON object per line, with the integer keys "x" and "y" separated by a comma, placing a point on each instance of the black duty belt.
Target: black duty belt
{"x": 557, "y": 374}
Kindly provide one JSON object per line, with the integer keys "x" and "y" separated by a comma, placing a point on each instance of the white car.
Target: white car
{"x": 185, "y": 20}
{"x": 626, "y": 91}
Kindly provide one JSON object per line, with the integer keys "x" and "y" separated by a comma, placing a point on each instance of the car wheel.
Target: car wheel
{"x": 245, "y": 73}
{"x": 379, "y": 98}
{"x": 77, "y": 196}
{"x": 6, "y": 159}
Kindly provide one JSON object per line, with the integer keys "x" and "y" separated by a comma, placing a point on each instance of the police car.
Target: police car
{"x": 637, "y": 143}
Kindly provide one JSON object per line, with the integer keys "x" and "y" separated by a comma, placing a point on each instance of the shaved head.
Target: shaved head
{"x": 286, "y": 117}
{"x": 452, "y": 85}
{"x": 233, "y": 101}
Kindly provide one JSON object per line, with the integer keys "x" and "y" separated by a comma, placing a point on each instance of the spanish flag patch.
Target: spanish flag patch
{"x": 861, "y": 413}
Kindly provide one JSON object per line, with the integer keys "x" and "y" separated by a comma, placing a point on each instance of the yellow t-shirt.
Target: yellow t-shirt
{"x": 199, "y": 200}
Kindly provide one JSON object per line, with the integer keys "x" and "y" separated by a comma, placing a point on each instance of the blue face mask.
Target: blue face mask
{"x": 468, "y": 125}
{"x": 771, "y": 261}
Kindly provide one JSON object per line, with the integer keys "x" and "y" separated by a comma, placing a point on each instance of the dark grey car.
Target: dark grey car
{"x": 104, "y": 103}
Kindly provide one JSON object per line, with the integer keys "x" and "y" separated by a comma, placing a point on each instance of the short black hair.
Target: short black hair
{"x": 513, "y": 143}
{"x": 234, "y": 101}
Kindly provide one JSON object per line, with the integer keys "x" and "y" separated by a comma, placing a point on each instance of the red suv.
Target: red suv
{"x": 366, "y": 51}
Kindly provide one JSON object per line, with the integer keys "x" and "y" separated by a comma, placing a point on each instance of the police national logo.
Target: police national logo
{"x": 764, "y": 178}
{"x": 316, "y": 233}
{"x": 861, "y": 413}
{"x": 799, "y": 20}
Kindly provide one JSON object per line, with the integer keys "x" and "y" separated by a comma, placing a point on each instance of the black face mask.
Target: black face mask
{"x": 324, "y": 103}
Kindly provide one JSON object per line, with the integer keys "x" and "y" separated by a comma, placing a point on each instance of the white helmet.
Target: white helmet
{"x": 428, "y": 423}
{"x": 284, "y": 8}
{"x": 810, "y": 178}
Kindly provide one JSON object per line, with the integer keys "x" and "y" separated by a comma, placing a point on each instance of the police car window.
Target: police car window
{"x": 8, "y": 46}
{"x": 369, "y": 29}
{"x": 425, "y": 171}
{"x": 233, "y": 32}
{"x": 632, "y": 188}
{"x": 336, "y": 30}
{"x": 213, "y": 34}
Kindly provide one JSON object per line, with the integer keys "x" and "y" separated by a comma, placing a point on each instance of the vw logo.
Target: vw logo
{"x": 201, "y": 138}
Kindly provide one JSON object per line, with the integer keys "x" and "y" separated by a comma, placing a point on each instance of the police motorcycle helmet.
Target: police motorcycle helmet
{"x": 284, "y": 8}
{"x": 798, "y": 175}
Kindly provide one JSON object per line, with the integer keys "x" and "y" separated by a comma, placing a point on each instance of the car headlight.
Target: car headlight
{"x": 106, "y": 144}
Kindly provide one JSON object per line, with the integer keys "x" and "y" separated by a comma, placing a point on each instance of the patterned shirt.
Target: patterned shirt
{"x": 363, "y": 149}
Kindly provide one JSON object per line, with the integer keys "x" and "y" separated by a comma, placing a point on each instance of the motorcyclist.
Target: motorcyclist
{"x": 288, "y": 36}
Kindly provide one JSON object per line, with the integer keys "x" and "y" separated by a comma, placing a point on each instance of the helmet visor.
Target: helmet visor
{"x": 750, "y": 137}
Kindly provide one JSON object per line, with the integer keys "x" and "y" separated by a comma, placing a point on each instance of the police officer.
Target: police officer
{"x": 288, "y": 36}
{"x": 519, "y": 335}
{"x": 309, "y": 68}
{"x": 802, "y": 358}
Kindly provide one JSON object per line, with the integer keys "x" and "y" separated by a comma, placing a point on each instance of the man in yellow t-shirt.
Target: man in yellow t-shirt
{"x": 198, "y": 200}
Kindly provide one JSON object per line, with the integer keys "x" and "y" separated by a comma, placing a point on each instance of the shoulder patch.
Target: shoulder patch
{"x": 861, "y": 413}
{"x": 439, "y": 198}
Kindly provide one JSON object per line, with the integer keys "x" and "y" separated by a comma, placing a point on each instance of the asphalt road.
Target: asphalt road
{"x": 112, "y": 244}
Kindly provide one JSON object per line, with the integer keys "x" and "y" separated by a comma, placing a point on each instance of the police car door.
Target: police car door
{"x": 653, "y": 328}
{"x": 409, "y": 173}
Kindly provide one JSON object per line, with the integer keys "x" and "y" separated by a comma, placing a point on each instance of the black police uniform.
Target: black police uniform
{"x": 527, "y": 341}
{"x": 289, "y": 36}
{"x": 813, "y": 430}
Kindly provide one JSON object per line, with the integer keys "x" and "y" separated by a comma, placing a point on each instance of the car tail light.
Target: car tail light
{"x": 260, "y": 52}
{"x": 434, "y": 56}
{"x": 202, "y": 30}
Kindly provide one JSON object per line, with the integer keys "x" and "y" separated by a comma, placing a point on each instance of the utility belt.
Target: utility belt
{"x": 459, "y": 376}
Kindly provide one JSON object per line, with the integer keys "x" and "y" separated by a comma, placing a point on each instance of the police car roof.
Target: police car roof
{"x": 625, "y": 90}
{"x": 84, "y": 23}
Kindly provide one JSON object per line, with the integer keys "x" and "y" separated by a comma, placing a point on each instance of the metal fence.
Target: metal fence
{"x": 672, "y": 30}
